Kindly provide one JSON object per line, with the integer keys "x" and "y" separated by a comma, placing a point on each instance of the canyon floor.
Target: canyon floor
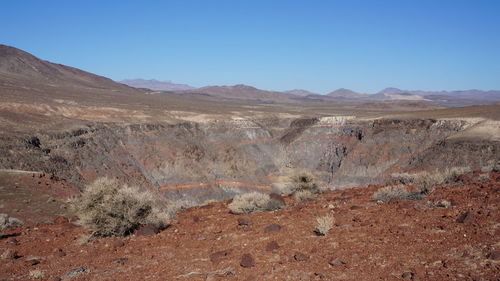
{"x": 398, "y": 240}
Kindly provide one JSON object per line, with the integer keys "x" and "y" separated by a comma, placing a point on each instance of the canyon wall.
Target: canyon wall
{"x": 216, "y": 159}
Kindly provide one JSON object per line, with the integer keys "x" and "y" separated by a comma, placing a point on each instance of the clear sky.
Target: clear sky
{"x": 278, "y": 45}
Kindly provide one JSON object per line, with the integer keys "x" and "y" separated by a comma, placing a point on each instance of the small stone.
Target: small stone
{"x": 61, "y": 220}
{"x": 247, "y": 261}
{"x": 244, "y": 222}
{"x": 59, "y": 252}
{"x": 272, "y": 228}
{"x": 32, "y": 261}
{"x": 271, "y": 246}
{"x": 118, "y": 244}
{"x": 300, "y": 257}
{"x": 217, "y": 257}
{"x": 465, "y": 217}
{"x": 407, "y": 275}
{"x": 335, "y": 261}
{"x": 495, "y": 255}
{"x": 9, "y": 254}
{"x": 147, "y": 230}
{"x": 120, "y": 260}
{"x": 355, "y": 207}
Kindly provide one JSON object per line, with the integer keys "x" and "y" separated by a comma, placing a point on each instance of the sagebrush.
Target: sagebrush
{"x": 324, "y": 224}
{"x": 108, "y": 208}
{"x": 428, "y": 180}
{"x": 302, "y": 195}
{"x": 6, "y": 222}
{"x": 303, "y": 182}
{"x": 400, "y": 192}
{"x": 253, "y": 202}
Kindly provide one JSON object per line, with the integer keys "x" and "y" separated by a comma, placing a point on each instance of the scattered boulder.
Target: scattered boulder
{"x": 271, "y": 246}
{"x": 120, "y": 261}
{"x": 217, "y": 257}
{"x": 75, "y": 272}
{"x": 244, "y": 222}
{"x": 147, "y": 230}
{"x": 407, "y": 275}
{"x": 247, "y": 261}
{"x": 278, "y": 198}
{"x": 272, "y": 228}
{"x": 300, "y": 256}
{"x": 30, "y": 261}
{"x": 335, "y": 261}
{"x": 118, "y": 244}
{"x": 465, "y": 217}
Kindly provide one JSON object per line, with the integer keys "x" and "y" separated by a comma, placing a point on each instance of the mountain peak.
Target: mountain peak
{"x": 155, "y": 85}
{"x": 391, "y": 91}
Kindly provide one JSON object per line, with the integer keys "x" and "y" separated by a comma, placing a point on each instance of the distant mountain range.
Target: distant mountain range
{"x": 23, "y": 72}
{"x": 155, "y": 85}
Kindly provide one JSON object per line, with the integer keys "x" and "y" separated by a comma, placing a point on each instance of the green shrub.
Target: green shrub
{"x": 109, "y": 209}
{"x": 253, "y": 202}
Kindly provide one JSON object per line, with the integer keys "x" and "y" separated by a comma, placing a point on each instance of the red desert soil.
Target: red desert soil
{"x": 370, "y": 241}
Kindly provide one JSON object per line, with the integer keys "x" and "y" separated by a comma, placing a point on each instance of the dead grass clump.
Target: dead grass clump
{"x": 401, "y": 192}
{"x": 253, "y": 202}
{"x": 36, "y": 274}
{"x": 302, "y": 195}
{"x": 428, "y": 180}
{"x": 324, "y": 224}
{"x": 110, "y": 209}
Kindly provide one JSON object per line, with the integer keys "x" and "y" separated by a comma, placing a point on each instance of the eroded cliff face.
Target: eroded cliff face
{"x": 216, "y": 159}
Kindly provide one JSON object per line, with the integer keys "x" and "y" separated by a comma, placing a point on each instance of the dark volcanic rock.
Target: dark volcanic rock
{"x": 300, "y": 257}
{"x": 272, "y": 228}
{"x": 147, "y": 230}
{"x": 244, "y": 222}
{"x": 217, "y": 257}
{"x": 465, "y": 217}
{"x": 334, "y": 261}
{"x": 278, "y": 198}
{"x": 247, "y": 261}
{"x": 271, "y": 246}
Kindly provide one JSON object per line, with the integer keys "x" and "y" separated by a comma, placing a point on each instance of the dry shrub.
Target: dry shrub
{"x": 400, "y": 192}
{"x": 253, "y": 202}
{"x": 303, "y": 182}
{"x": 110, "y": 209}
{"x": 301, "y": 195}
{"x": 428, "y": 180}
{"x": 36, "y": 274}
{"x": 324, "y": 224}
{"x": 6, "y": 222}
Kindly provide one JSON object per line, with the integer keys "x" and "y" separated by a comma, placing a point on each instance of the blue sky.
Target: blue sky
{"x": 277, "y": 45}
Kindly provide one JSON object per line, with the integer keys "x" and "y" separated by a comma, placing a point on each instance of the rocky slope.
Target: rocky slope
{"x": 399, "y": 240}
